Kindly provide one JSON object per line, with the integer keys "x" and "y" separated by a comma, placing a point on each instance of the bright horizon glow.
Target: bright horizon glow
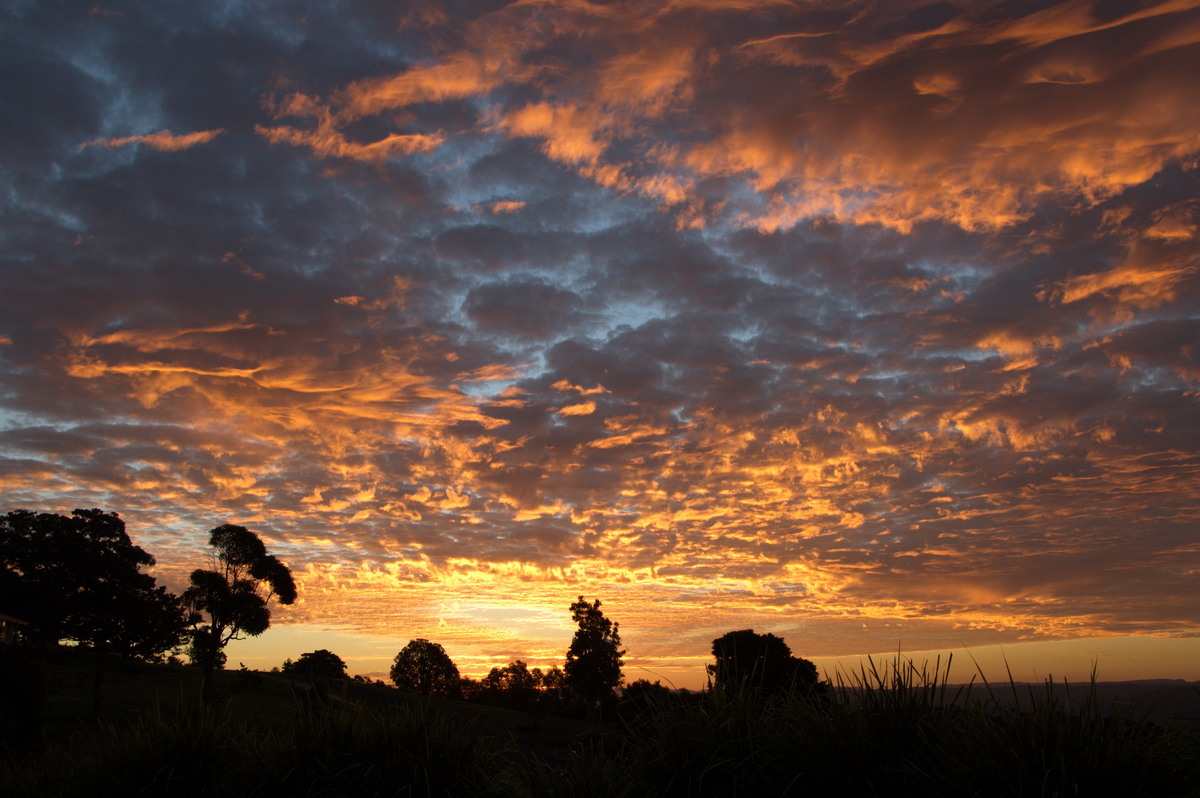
{"x": 1114, "y": 659}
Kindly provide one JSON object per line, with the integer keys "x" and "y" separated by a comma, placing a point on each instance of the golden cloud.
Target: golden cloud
{"x": 163, "y": 140}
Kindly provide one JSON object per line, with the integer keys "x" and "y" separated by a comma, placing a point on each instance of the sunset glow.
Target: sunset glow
{"x": 871, "y": 325}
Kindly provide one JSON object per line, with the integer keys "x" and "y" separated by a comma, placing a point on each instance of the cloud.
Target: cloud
{"x": 524, "y": 309}
{"x": 163, "y": 140}
{"x": 330, "y": 144}
{"x": 895, "y": 128}
{"x": 830, "y": 317}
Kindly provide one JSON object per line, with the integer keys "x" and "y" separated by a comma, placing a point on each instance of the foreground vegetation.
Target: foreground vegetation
{"x": 885, "y": 731}
{"x": 894, "y": 730}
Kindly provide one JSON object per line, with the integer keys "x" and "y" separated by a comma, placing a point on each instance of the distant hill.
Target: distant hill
{"x": 1155, "y": 700}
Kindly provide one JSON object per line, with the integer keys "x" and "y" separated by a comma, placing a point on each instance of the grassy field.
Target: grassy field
{"x": 894, "y": 729}
{"x": 117, "y": 728}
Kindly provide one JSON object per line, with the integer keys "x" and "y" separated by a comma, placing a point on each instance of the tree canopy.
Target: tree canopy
{"x": 513, "y": 677}
{"x": 230, "y": 599}
{"x": 321, "y": 662}
{"x": 424, "y": 667}
{"x": 80, "y": 578}
{"x": 593, "y": 666}
{"x": 746, "y": 659}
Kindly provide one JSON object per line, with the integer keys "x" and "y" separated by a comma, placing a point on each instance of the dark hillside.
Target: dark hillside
{"x": 1172, "y": 701}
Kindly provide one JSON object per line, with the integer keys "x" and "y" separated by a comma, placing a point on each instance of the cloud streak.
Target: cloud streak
{"x": 163, "y": 140}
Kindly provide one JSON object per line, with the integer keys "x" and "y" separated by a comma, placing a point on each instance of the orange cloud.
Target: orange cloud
{"x": 1141, "y": 287}
{"x": 564, "y": 385}
{"x": 506, "y": 206}
{"x": 462, "y": 75}
{"x": 1075, "y": 18}
{"x": 163, "y": 140}
{"x": 572, "y": 135}
{"x": 978, "y": 148}
{"x": 581, "y": 409}
{"x": 847, "y": 425}
{"x": 329, "y": 143}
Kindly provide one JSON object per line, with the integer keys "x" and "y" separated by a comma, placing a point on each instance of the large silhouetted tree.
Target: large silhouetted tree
{"x": 761, "y": 663}
{"x": 321, "y": 662}
{"x": 230, "y": 599}
{"x": 593, "y": 666}
{"x": 424, "y": 667}
{"x": 80, "y": 578}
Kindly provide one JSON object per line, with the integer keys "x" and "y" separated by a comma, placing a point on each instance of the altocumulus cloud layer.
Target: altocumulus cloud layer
{"x": 854, "y": 321}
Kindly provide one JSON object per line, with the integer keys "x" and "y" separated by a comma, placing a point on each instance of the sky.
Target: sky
{"x": 873, "y": 325}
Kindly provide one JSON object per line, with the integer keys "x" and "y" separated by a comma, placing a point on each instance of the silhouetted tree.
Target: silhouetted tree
{"x": 513, "y": 676}
{"x": 230, "y": 600}
{"x": 469, "y": 689}
{"x": 640, "y": 695}
{"x": 321, "y": 662}
{"x": 514, "y": 685}
{"x": 554, "y": 681}
{"x": 593, "y": 667}
{"x": 80, "y": 578}
{"x": 424, "y": 667}
{"x": 641, "y": 688}
{"x": 760, "y": 662}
